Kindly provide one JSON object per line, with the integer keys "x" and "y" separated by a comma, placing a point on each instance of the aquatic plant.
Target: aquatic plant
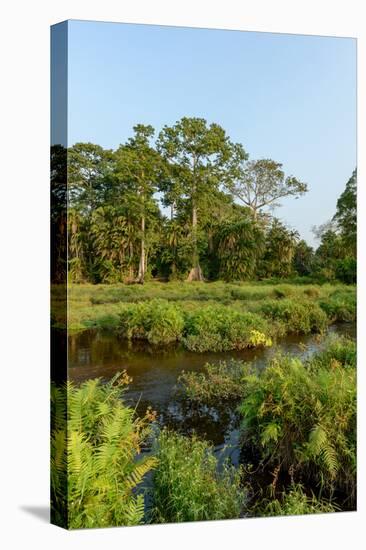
{"x": 157, "y": 321}
{"x": 188, "y": 485}
{"x": 96, "y": 464}
{"x": 221, "y": 328}
{"x": 218, "y": 382}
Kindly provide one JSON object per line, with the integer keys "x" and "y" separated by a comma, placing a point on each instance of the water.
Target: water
{"x": 155, "y": 373}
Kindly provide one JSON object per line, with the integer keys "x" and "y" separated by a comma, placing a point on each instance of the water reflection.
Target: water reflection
{"x": 155, "y": 372}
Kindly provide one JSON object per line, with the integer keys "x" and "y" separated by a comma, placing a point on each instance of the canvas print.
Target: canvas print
{"x": 203, "y": 270}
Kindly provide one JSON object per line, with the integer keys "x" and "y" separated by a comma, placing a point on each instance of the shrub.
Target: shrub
{"x": 297, "y": 317}
{"x": 221, "y": 328}
{"x": 188, "y": 485}
{"x": 294, "y": 502}
{"x": 157, "y": 321}
{"x": 340, "y": 306}
{"x": 218, "y": 382}
{"x": 94, "y": 450}
{"x": 303, "y": 416}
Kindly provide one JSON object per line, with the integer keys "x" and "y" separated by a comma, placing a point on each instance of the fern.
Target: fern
{"x": 94, "y": 471}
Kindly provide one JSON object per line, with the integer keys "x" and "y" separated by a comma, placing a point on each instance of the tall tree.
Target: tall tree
{"x": 203, "y": 157}
{"x": 139, "y": 167}
{"x": 303, "y": 260}
{"x": 346, "y": 214}
{"x": 262, "y": 183}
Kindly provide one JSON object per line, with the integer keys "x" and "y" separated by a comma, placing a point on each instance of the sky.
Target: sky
{"x": 291, "y": 98}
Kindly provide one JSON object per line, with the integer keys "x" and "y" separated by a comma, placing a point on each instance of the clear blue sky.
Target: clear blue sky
{"x": 287, "y": 97}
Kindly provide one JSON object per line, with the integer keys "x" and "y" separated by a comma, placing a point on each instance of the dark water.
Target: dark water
{"x": 155, "y": 373}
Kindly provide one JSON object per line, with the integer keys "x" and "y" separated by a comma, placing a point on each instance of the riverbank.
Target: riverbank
{"x": 207, "y": 316}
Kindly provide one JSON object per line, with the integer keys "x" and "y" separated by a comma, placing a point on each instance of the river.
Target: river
{"x": 155, "y": 372}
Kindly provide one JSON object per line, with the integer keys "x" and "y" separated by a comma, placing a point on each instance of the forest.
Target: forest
{"x": 216, "y": 221}
{"x": 211, "y": 350}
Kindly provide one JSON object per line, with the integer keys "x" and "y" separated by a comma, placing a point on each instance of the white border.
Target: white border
{"x": 24, "y": 286}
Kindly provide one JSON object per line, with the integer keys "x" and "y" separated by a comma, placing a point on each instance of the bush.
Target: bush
{"x": 188, "y": 485}
{"x": 341, "y": 306}
{"x": 294, "y": 502}
{"x": 218, "y": 382}
{"x": 303, "y": 416}
{"x": 157, "y": 321}
{"x": 220, "y": 328}
{"x": 297, "y": 317}
{"x": 94, "y": 450}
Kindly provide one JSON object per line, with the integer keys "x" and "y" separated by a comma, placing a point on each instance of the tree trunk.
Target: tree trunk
{"x": 196, "y": 273}
{"x": 131, "y": 276}
{"x": 141, "y": 274}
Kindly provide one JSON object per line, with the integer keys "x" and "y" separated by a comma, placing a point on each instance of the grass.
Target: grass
{"x": 217, "y": 316}
{"x": 188, "y": 485}
{"x": 293, "y": 502}
{"x": 219, "y": 382}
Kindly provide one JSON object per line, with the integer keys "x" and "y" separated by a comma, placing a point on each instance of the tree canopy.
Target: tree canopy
{"x": 119, "y": 228}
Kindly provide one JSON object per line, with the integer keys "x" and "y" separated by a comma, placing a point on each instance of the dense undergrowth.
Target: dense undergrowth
{"x": 298, "y": 416}
{"x": 301, "y": 416}
{"x": 188, "y": 485}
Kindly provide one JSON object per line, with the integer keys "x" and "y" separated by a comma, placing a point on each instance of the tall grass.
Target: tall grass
{"x": 294, "y": 502}
{"x": 188, "y": 485}
{"x": 218, "y": 382}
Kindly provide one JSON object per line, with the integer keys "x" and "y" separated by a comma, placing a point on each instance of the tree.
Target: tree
{"x": 262, "y": 183}
{"x": 303, "y": 260}
{"x": 279, "y": 250}
{"x": 346, "y": 214}
{"x": 139, "y": 167}
{"x": 240, "y": 244}
{"x": 202, "y": 157}
{"x": 89, "y": 167}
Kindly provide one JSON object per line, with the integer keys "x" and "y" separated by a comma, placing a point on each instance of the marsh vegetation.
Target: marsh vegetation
{"x": 233, "y": 338}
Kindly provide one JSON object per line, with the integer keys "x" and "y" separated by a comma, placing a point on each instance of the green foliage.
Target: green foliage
{"x": 346, "y": 270}
{"x": 188, "y": 485}
{"x": 218, "y": 382}
{"x": 302, "y": 416}
{"x": 117, "y": 232}
{"x": 294, "y": 502}
{"x": 300, "y": 317}
{"x": 95, "y": 463}
{"x": 100, "y": 306}
{"x": 346, "y": 215}
{"x": 280, "y": 245}
{"x": 341, "y": 305}
{"x": 158, "y": 321}
{"x": 303, "y": 259}
{"x": 239, "y": 245}
{"x": 220, "y": 328}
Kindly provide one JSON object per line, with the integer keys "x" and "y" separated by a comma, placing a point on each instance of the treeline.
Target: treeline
{"x": 218, "y": 201}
